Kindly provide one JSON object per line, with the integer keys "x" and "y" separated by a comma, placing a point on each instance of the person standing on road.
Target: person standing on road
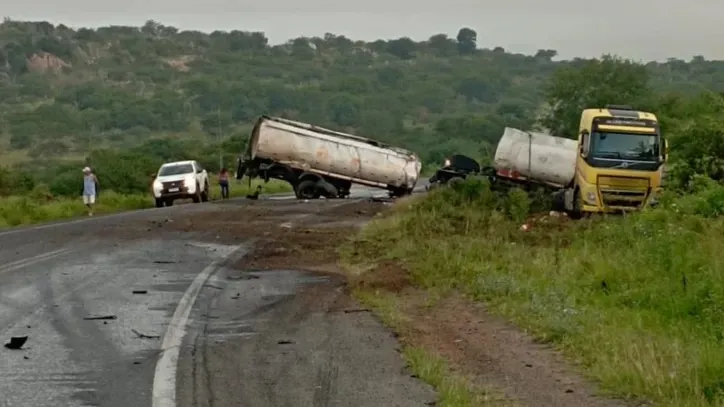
{"x": 90, "y": 183}
{"x": 224, "y": 183}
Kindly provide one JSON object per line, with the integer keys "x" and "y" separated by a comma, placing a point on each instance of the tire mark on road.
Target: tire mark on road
{"x": 164, "y": 381}
{"x": 18, "y": 264}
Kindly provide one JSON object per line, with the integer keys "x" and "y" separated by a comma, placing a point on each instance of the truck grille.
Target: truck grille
{"x": 172, "y": 184}
{"x": 623, "y": 192}
{"x": 623, "y": 199}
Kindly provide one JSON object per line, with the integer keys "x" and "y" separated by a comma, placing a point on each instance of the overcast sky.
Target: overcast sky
{"x": 639, "y": 29}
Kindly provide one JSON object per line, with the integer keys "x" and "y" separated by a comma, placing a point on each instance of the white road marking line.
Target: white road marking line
{"x": 32, "y": 260}
{"x": 164, "y": 379}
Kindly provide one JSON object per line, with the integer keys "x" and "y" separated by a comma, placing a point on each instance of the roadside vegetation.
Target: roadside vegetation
{"x": 637, "y": 301}
{"x": 40, "y": 205}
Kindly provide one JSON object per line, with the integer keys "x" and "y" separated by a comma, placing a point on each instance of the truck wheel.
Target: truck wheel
{"x": 455, "y": 180}
{"x": 197, "y": 196}
{"x": 576, "y": 213}
{"x": 398, "y": 192}
{"x": 307, "y": 190}
{"x": 205, "y": 194}
{"x": 159, "y": 203}
{"x": 169, "y": 202}
{"x": 328, "y": 190}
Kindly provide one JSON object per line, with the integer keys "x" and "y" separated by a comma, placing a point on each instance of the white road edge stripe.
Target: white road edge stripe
{"x": 164, "y": 379}
{"x": 32, "y": 260}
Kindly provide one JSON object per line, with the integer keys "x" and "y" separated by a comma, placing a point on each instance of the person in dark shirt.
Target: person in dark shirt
{"x": 224, "y": 183}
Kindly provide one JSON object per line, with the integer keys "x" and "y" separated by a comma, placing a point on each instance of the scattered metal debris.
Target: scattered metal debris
{"x": 285, "y": 342}
{"x": 243, "y": 277}
{"x": 140, "y": 291}
{"x": 164, "y": 261}
{"x": 144, "y": 336}
{"x": 16, "y": 342}
{"x": 100, "y": 317}
{"x": 351, "y": 310}
{"x": 213, "y": 286}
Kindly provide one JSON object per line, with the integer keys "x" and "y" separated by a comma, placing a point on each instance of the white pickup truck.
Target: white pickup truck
{"x": 180, "y": 180}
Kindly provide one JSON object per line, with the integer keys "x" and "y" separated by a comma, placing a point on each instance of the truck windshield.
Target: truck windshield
{"x": 641, "y": 147}
{"x": 175, "y": 169}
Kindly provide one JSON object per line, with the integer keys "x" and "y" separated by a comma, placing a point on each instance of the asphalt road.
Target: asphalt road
{"x": 191, "y": 336}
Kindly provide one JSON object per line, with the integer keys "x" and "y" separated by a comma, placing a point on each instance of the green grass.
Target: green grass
{"x": 26, "y": 210}
{"x": 453, "y": 389}
{"x": 637, "y": 301}
{"x": 37, "y": 207}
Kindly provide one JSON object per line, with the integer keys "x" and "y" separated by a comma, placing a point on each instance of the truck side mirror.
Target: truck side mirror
{"x": 583, "y": 144}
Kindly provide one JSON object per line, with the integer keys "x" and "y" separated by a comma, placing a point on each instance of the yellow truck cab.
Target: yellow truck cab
{"x": 620, "y": 161}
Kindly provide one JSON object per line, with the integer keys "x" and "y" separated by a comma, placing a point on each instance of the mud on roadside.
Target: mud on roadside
{"x": 484, "y": 349}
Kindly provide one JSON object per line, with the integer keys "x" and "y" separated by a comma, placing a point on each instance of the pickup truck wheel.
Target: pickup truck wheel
{"x": 159, "y": 203}
{"x": 197, "y": 196}
{"x": 205, "y": 194}
{"x": 169, "y": 202}
{"x": 308, "y": 190}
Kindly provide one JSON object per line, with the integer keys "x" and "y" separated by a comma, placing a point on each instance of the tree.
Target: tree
{"x": 595, "y": 83}
{"x": 467, "y": 41}
{"x": 441, "y": 45}
{"x": 403, "y": 48}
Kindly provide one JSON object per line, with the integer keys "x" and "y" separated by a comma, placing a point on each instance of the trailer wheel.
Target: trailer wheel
{"x": 455, "y": 180}
{"x": 308, "y": 190}
{"x": 326, "y": 189}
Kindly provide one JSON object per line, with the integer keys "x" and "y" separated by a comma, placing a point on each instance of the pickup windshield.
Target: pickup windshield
{"x": 175, "y": 169}
{"x": 627, "y": 146}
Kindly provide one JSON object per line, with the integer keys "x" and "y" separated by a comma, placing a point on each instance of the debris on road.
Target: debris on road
{"x": 236, "y": 297}
{"x": 351, "y": 310}
{"x": 140, "y": 291}
{"x": 213, "y": 286}
{"x": 243, "y": 277}
{"x": 285, "y": 342}
{"x": 16, "y": 342}
{"x": 382, "y": 199}
{"x": 144, "y": 336}
{"x": 164, "y": 262}
{"x": 100, "y": 317}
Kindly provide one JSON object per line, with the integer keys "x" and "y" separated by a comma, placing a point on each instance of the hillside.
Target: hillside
{"x": 65, "y": 93}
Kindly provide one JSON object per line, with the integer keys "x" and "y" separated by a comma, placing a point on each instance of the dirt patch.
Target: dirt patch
{"x": 302, "y": 248}
{"x": 484, "y": 348}
{"x": 387, "y": 276}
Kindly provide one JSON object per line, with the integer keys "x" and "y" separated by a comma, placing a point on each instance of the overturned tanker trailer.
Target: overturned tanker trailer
{"x": 320, "y": 162}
